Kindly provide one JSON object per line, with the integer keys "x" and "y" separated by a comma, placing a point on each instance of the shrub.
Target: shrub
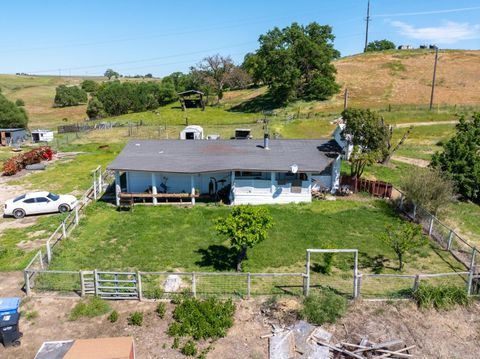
{"x": 176, "y": 343}
{"x": 161, "y": 309}
{"x": 325, "y": 307}
{"x": 92, "y": 307}
{"x": 12, "y": 115}
{"x": 31, "y": 315}
{"x": 19, "y": 102}
{"x": 136, "y": 318}
{"x": 69, "y": 96}
{"x": 202, "y": 319}
{"x": 113, "y": 317}
{"x": 440, "y": 297}
{"x": 189, "y": 349}
{"x": 89, "y": 86}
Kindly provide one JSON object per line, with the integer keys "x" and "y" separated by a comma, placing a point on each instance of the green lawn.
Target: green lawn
{"x": 171, "y": 238}
{"x": 71, "y": 173}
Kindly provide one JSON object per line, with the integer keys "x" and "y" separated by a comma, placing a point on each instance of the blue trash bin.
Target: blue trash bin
{"x": 9, "y": 317}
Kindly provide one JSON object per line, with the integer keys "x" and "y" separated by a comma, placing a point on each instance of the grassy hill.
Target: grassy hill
{"x": 400, "y": 78}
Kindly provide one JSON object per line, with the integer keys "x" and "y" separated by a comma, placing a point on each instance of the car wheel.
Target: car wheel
{"x": 19, "y": 213}
{"x": 63, "y": 208}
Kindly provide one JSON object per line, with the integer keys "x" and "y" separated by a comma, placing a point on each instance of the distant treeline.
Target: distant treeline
{"x": 118, "y": 98}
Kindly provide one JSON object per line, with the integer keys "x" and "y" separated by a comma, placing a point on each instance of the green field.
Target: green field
{"x": 171, "y": 238}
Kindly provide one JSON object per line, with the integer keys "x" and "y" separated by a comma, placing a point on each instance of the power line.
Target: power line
{"x": 429, "y": 12}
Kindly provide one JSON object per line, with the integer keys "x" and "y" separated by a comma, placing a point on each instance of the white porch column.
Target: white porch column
{"x": 117, "y": 188}
{"x": 272, "y": 182}
{"x": 192, "y": 183}
{"x": 232, "y": 188}
{"x": 154, "y": 188}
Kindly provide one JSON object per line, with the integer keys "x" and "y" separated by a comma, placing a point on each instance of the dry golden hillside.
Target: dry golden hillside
{"x": 405, "y": 77}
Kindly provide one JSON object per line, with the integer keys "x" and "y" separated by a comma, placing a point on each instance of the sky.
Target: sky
{"x": 145, "y": 36}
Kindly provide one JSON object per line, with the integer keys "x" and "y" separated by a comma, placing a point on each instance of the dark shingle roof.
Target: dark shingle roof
{"x": 190, "y": 156}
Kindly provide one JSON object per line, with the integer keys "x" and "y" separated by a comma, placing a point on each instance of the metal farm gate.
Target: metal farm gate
{"x": 111, "y": 285}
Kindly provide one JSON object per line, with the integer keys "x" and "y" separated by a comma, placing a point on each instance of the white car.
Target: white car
{"x": 39, "y": 202}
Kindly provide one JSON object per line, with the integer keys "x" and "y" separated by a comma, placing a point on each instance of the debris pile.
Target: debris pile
{"x": 305, "y": 341}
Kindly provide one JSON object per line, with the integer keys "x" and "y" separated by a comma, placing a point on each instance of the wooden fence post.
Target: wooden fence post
{"x": 26, "y": 276}
{"x": 139, "y": 286}
{"x": 95, "y": 185}
{"x": 450, "y": 239}
{"x": 416, "y": 282}
{"x": 249, "y": 280}
{"x": 194, "y": 285}
{"x": 355, "y": 276}
{"x": 77, "y": 219}
{"x": 414, "y": 211}
{"x": 82, "y": 284}
{"x": 306, "y": 286}
{"x": 430, "y": 226}
{"x": 471, "y": 272}
{"x": 64, "y": 230}
{"x": 41, "y": 260}
{"x": 95, "y": 284}
{"x": 49, "y": 251}
{"x": 401, "y": 201}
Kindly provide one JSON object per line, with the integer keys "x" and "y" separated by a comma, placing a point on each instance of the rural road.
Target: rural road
{"x": 404, "y": 125}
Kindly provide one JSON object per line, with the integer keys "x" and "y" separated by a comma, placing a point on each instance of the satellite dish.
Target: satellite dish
{"x": 294, "y": 168}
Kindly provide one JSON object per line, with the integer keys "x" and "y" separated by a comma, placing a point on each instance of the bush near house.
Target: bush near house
{"x": 324, "y": 307}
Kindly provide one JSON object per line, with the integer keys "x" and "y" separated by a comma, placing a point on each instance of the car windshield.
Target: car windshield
{"x": 19, "y": 198}
{"x": 53, "y": 196}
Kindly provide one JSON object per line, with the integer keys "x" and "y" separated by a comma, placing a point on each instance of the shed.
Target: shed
{"x": 191, "y": 99}
{"x": 42, "y": 135}
{"x": 101, "y": 348}
{"x": 12, "y": 136}
{"x": 243, "y": 133}
{"x": 192, "y": 132}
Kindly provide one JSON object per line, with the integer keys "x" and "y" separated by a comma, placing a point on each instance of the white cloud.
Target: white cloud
{"x": 447, "y": 33}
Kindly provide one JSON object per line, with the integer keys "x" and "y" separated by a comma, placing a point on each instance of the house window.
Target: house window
{"x": 249, "y": 174}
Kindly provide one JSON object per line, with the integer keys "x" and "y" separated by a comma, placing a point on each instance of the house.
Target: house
{"x": 12, "y": 136}
{"x": 405, "y": 47}
{"x": 42, "y": 135}
{"x": 192, "y": 132}
{"x": 234, "y": 171}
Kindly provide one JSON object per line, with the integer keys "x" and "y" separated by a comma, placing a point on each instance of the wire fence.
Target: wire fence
{"x": 447, "y": 238}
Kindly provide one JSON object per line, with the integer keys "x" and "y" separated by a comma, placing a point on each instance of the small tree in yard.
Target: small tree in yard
{"x": 380, "y": 45}
{"x": 402, "y": 238}
{"x": 245, "y": 226}
{"x": 429, "y": 188}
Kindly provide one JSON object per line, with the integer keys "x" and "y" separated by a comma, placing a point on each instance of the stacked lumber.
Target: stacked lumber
{"x": 306, "y": 341}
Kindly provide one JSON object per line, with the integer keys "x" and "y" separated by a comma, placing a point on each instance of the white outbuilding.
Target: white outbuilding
{"x": 42, "y": 135}
{"x": 192, "y": 132}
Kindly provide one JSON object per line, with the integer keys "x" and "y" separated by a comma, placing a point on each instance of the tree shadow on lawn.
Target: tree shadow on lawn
{"x": 219, "y": 257}
{"x": 259, "y": 103}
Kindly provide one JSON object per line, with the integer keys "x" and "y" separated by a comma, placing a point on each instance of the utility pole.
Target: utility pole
{"x": 367, "y": 19}
{"x": 434, "y": 77}
{"x": 345, "y": 99}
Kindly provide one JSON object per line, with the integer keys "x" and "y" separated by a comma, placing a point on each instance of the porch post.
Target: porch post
{"x": 192, "y": 183}
{"x": 117, "y": 188}
{"x": 154, "y": 188}
{"x": 272, "y": 182}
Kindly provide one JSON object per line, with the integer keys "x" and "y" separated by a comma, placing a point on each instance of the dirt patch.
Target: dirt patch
{"x": 445, "y": 334}
{"x": 436, "y": 334}
{"x": 151, "y": 341}
{"x": 411, "y": 161}
{"x": 31, "y": 244}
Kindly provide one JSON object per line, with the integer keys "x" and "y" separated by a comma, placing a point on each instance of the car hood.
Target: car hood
{"x": 67, "y": 198}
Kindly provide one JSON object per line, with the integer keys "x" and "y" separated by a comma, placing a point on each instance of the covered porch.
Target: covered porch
{"x": 171, "y": 188}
